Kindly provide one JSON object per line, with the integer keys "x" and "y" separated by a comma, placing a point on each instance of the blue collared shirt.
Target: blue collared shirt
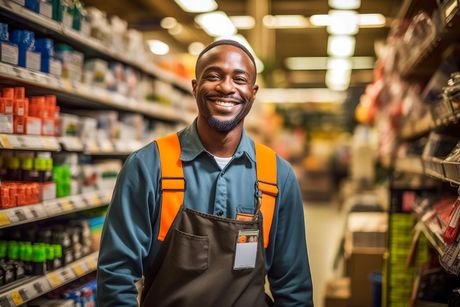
{"x": 129, "y": 243}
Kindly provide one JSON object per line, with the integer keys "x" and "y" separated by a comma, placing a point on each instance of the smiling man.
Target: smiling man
{"x": 206, "y": 214}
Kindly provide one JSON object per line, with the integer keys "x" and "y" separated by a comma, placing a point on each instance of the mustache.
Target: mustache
{"x": 226, "y": 98}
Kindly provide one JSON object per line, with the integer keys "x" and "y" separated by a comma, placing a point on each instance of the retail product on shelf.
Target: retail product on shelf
{"x": 28, "y": 57}
{"x": 33, "y": 251}
{"x": 9, "y": 52}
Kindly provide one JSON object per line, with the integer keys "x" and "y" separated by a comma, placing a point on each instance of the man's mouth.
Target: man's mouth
{"x": 225, "y": 103}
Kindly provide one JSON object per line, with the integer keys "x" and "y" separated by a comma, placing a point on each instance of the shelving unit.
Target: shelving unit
{"x": 89, "y": 96}
{"x": 417, "y": 180}
{"x": 26, "y": 290}
{"x": 74, "y": 95}
{"x": 17, "y": 12}
{"x": 52, "y": 208}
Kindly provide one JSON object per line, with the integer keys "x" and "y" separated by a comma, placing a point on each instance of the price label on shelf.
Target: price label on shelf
{"x": 54, "y": 279}
{"x": 95, "y": 200}
{"x": 52, "y": 207}
{"x": 66, "y": 85}
{"x": 17, "y": 298}
{"x": 39, "y": 287}
{"x": 92, "y": 263}
{"x": 19, "y": 215}
{"x": 4, "y": 218}
{"x": 67, "y": 274}
{"x": 79, "y": 270}
{"x": 36, "y": 211}
{"x": 66, "y": 205}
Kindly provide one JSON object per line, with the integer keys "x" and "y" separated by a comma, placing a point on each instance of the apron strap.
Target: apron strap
{"x": 172, "y": 181}
{"x": 266, "y": 186}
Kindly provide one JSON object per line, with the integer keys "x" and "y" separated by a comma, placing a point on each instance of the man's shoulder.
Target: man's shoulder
{"x": 142, "y": 156}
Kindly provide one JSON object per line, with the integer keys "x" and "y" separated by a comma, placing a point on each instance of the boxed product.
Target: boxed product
{"x": 367, "y": 229}
{"x": 9, "y": 52}
{"x": 72, "y": 62}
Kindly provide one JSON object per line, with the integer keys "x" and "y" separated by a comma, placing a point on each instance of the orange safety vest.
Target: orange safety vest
{"x": 173, "y": 183}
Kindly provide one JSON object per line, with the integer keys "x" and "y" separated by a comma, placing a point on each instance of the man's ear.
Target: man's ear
{"x": 194, "y": 87}
{"x": 255, "y": 89}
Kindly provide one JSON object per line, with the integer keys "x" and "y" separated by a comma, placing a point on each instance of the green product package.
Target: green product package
{"x": 49, "y": 252}
{"x": 57, "y": 250}
{"x": 13, "y": 250}
{"x": 38, "y": 253}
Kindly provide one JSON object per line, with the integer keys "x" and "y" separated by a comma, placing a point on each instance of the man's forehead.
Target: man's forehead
{"x": 221, "y": 52}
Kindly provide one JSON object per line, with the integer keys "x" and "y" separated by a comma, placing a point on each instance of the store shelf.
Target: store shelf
{"x": 411, "y": 164}
{"x": 411, "y": 7}
{"x": 427, "y": 57}
{"x": 96, "y": 48}
{"x": 433, "y": 237}
{"x": 29, "y": 142}
{"x": 33, "y": 287}
{"x": 52, "y": 208}
{"x": 68, "y": 143}
{"x": 86, "y": 96}
{"x": 413, "y": 129}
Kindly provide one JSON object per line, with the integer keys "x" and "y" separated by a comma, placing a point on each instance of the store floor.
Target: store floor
{"x": 324, "y": 228}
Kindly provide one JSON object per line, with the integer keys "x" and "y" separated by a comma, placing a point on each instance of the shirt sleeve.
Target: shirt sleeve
{"x": 289, "y": 275}
{"x": 126, "y": 235}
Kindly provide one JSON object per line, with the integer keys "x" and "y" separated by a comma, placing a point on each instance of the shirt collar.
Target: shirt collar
{"x": 191, "y": 145}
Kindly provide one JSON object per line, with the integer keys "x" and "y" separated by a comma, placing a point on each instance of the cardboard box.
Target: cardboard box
{"x": 361, "y": 263}
{"x": 337, "y": 293}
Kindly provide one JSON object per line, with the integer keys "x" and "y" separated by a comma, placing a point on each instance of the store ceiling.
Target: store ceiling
{"x": 146, "y": 15}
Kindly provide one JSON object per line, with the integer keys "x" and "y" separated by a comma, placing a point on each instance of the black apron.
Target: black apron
{"x": 194, "y": 266}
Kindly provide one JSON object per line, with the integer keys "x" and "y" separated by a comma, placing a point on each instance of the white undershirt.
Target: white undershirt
{"x": 222, "y": 162}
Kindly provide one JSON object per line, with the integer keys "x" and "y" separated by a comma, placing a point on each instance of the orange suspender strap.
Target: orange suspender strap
{"x": 172, "y": 181}
{"x": 266, "y": 184}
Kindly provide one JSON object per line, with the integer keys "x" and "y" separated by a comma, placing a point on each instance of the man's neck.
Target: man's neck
{"x": 220, "y": 144}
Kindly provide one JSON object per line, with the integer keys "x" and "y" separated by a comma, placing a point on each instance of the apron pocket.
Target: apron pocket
{"x": 190, "y": 252}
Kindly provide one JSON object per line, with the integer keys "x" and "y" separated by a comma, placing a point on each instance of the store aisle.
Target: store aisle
{"x": 324, "y": 227}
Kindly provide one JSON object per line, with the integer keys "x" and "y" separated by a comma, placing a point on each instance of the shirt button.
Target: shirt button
{"x": 219, "y": 212}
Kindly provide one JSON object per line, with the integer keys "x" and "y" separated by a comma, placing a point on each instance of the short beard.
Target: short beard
{"x": 223, "y": 126}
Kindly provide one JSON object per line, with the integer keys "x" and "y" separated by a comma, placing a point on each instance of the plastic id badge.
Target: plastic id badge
{"x": 246, "y": 249}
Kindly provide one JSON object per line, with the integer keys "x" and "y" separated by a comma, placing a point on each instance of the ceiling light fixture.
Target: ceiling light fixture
{"x": 345, "y": 4}
{"x": 319, "y": 20}
{"x": 197, "y": 6}
{"x": 363, "y": 20}
{"x": 216, "y": 24}
{"x": 285, "y": 21}
{"x": 343, "y": 22}
{"x": 243, "y": 22}
{"x": 322, "y": 63}
{"x": 372, "y": 20}
{"x": 306, "y": 63}
{"x": 341, "y": 46}
{"x": 168, "y": 22}
{"x": 339, "y": 64}
{"x": 158, "y": 47}
{"x": 299, "y": 95}
{"x": 195, "y": 48}
{"x": 338, "y": 79}
{"x": 242, "y": 40}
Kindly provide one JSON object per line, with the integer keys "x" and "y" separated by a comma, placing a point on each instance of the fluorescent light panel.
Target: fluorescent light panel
{"x": 372, "y": 20}
{"x": 243, "y": 22}
{"x": 341, "y": 46}
{"x": 285, "y": 21}
{"x": 216, "y": 24}
{"x": 343, "y": 22}
{"x": 321, "y": 63}
{"x": 299, "y": 95}
{"x": 364, "y": 20}
{"x": 345, "y": 4}
{"x": 338, "y": 79}
{"x": 197, "y": 6}
{"x": 158, "y": 47}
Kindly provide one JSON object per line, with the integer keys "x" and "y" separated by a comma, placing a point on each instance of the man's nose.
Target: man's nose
{"x": 226, "y": 86}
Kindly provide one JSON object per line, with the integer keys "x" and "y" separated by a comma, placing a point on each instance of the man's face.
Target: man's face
{"x": 224, "y": 87}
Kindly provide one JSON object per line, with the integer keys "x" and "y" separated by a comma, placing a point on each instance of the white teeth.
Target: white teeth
{"x": 225, "y": 104}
